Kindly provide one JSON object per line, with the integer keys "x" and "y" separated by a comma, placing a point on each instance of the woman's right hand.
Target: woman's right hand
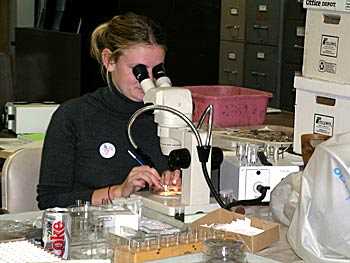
{"x": 138, "y": 178}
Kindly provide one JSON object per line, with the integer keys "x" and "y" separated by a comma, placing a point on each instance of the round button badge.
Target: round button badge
{"x": 107, "y": 150}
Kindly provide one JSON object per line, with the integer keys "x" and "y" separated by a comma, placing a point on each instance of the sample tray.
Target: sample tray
{"x": 274, "y": 135}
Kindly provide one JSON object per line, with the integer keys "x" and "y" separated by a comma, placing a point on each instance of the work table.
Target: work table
{"x": 278, "y": 252}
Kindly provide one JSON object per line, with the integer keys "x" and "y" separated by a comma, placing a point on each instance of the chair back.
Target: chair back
{"x": 19, "y": 180}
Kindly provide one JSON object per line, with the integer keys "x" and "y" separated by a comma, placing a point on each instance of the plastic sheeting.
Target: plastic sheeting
{"x": 284, "y": 198}
{"x": 320, "y": 228}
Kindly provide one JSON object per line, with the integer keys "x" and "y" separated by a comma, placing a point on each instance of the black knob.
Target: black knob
{"x": 180, "y": 158}
{"x": 217, "y": 156}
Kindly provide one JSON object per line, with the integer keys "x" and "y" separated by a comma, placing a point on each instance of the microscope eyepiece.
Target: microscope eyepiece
{"x": 160, "y": 76}
{"x": 158, "y": 71}
{"x": 140, "y": 72}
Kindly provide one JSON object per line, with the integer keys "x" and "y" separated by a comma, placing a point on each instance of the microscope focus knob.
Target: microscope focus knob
{"x": 179, "y": 158}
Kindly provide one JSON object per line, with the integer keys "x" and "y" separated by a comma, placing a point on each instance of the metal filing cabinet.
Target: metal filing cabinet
{"x": 273, "y": 41}
{"x": 233, "y": 18}
{"x": 232, "y": 38}
{"x": 261, "y": 69}
{"x": 293, "y": 50}
{"x": 288, "y": 91}
{"x": 263, "y": 21}
{"x": 264, "y": 28}
{"x": 231, "y": 67}
{"x": 294, "y": 10}
{"x": 293, "y": 41}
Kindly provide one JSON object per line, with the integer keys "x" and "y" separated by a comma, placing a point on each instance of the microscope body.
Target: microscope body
{"x": 176, "y": 98}
{"x": 174, "y": 134}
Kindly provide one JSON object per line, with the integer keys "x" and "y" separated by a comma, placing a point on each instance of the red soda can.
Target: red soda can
{"x": 57, "y": 223}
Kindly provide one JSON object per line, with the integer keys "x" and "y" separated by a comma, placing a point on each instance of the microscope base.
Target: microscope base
{"x": 171, "y": 205}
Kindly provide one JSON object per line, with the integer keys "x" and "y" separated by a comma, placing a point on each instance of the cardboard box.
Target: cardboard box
{"x": 320, "y": 107}
{"x": 254, "y": 243}
{"x": 326, "y": 49}
{"x": 334, "y": 5}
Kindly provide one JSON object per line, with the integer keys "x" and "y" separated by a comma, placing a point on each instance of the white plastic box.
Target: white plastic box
{"x": 327, "y": 42}
{"x": 335, "y": 5}
{"x": 320, "y": 107}
{"x": 29, "y": 117}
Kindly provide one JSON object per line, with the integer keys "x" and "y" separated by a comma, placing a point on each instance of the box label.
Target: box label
{"x": 329, "y": 46}
{"x": 334, "y": 5}
{"x": 328, "y": 67}
{"x": 323, "y": 124}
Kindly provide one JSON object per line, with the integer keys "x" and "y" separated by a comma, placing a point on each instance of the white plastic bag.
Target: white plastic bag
{"x": 284, "y": 198}
{"x": 320, "y": 228}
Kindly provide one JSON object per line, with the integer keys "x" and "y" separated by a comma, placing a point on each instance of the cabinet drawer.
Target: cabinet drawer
{"x": 231, "y": 67}
{"x": 260, "y": 67}
{"x": 233, "y": 16}
{"x": 263, "y": 21}
{"x": 293, "y": 41}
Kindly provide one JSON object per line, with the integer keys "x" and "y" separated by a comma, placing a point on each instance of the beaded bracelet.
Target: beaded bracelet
{"x": 109, "y": 196}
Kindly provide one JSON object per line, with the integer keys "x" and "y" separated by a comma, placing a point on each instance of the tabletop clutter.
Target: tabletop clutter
{"x": 125, "y": 232}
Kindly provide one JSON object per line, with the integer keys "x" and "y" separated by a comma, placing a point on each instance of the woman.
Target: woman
{"x": 85, "y": 154}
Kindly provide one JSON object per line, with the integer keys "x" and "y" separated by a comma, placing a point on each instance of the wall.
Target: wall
{"x": 21, "y": 15}
{"x": 4, "y": 25}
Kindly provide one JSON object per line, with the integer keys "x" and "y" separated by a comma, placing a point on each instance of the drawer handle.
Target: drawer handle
{"x": 261, "y": 27}
{"x": 258, "y": 74}
{"x": 234, "y": 27}
{"x": 298, "y": 46}
{"x": 325, "y": 101}
{"x": 233, "y": 72}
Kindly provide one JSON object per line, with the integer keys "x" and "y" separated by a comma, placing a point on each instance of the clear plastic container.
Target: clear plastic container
{"x": 88, "y": 237}
{"x": 218, "y": 250}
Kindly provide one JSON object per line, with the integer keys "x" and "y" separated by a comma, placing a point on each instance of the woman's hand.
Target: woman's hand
{"x": 138, "y": 178}
{"x": 171, "y": 178}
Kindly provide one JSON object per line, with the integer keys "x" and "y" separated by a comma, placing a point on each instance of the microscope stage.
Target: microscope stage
{"x": 170, "y": 205}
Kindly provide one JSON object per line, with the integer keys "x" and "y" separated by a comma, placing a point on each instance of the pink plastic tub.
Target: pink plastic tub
{"x": 233, "y": 106}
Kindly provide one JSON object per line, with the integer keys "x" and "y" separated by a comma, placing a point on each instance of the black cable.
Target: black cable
{"x": 203, "y": 156}
{"x": 256, "y": 201}
{"x": 263, "y": 159}
{"x": 211, "y": 186}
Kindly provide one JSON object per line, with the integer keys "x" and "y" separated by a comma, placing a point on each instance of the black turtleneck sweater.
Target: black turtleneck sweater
{"x": 86, "y": 147}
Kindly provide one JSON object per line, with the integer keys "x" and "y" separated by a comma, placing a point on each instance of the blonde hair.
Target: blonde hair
{"x": 123, "y": 31}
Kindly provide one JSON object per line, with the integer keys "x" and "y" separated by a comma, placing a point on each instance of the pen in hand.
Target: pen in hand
{"x": 140, "y": 162}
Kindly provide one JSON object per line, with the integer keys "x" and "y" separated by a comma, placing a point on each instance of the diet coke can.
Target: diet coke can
{"x": 57, "y": 224}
